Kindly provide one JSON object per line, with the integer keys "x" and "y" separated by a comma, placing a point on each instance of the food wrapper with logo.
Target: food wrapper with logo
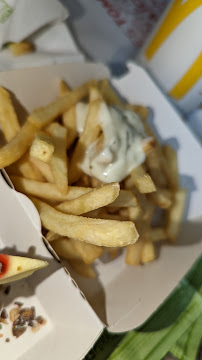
{"x": 135, "y": 18}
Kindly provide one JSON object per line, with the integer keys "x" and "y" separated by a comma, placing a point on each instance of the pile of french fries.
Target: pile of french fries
{"x": 83, "y": 218}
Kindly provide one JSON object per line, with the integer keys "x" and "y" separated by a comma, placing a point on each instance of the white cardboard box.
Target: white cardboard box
{"x": 52, "y": 291}
{"x": 123, "y": 297}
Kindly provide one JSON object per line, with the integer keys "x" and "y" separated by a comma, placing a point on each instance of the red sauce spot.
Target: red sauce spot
{"x": 4, "y": 260}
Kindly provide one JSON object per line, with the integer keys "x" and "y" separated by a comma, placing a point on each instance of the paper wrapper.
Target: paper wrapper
{"x": 21, "y": 18}
{"x": 42, "y": 23}
{"x": 136, "y": 18}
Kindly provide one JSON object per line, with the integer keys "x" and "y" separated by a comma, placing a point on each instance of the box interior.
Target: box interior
{"x": 122, "y": 296}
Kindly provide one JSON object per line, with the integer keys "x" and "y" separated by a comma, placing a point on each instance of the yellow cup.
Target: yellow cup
{"x": 173, "y": 53}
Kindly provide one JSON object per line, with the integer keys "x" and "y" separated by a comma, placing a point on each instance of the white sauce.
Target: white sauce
{"x": 81, "y": 112}
{"x": 122, "y": 147}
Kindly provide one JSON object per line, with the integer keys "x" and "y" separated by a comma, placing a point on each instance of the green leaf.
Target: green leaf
{"x": 187, "y": 346}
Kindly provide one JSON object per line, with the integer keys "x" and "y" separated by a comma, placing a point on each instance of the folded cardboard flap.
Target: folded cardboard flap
{"x": 32, "y": 92}
{"x": 121, "y": 295}
{"x": 50, "y": 290}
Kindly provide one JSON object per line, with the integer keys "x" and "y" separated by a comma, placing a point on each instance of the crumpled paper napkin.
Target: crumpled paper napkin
{"x": 42, "y": 23}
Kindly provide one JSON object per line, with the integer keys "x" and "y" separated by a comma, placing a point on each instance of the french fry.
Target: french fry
{"x": 134, "y": 213}
{"x": 17, "y": 147}
{"x": 109, "y": 94}
{"x": 8, "y": 118}
{"x": 45, "y": 115}
{"x": 42, "y": 147}
{"x": 68, "y": 117}
{"x": 94, "y": 93}
{"x": 23, "y": 167}
{"x": 81, "y": 111}
{"x": 13, "y": 170}
{"x": 93, "y": 214}
{"x": 114, "y": 252}
{"x": 26, "y": 169}
{"x": 91, "y": 201}
{"x": 89, "y": 135}
{"x": 95, "y": 231}
{"x": 83, "y": 269}
{"x": 162, "y": 161}
{"x": 21, "y": 48}
{"x": 51, "y": 236}
{"x": 84, "y": 181}
{"x": 155, "y": 169}
{"x": 133, "y": 253}
{"x": 65, "y": 248}
{"x": 69, "y": 121}
{"x": 143, "y": 112}
{"x": 126, "y": 198}
{"x": 149, "y": 145}
{"x": 147, "y": 252}
{"x": 128, "y": 184}
{"x": 162, "y": 197}
{"x": 59, "y": 159}
{"x": 175, "y": 215}
{"x": 87, "y": 252}
{"x": 142, "y": 180}
{"x": 73, "y": 249}
{"x": 100, "y": 142}
{"x": 170, "y": 168}
{"x": 43, "y": 168}
{"x": 157, "y": 234}
{"x": 95, "y": 182}
{"x": 113, "y": 210}
{"x": 63, "y": 88}
{"x": 46, "y": 190}
{"x": 147, "y": 207}
{"x": 155, "y": 159}
{"x": 123, "y": 212}
{"x": 103, "y": 214}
